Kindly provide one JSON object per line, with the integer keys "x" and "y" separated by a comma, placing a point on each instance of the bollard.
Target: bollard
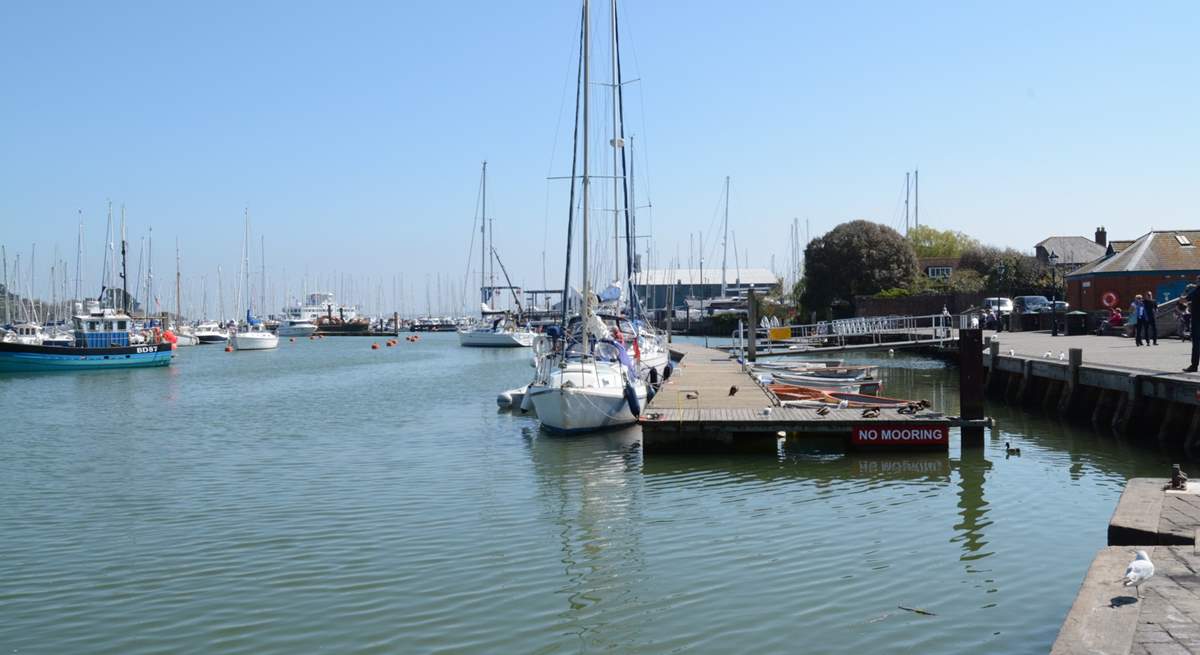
{"x": 970, "y": 384}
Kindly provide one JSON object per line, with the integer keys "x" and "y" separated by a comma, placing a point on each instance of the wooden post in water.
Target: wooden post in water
{"x": 970, "y": 383}
{"x": 752, "y": 308}
{"x": 396, "y": 322}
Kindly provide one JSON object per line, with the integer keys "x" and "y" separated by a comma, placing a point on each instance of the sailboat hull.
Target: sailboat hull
{"x": 574, "y": 411}
{"x": 255, "y": 341}
{"x": 296, "y": 330}
{"x": 489, "y": 339}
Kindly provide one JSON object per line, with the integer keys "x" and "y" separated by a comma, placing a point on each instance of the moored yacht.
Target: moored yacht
{"x": 254, "y": 336}
{"x": 500, "y": 333}
{"x": 294, "y": 327}
{"x": 211, "y": 332}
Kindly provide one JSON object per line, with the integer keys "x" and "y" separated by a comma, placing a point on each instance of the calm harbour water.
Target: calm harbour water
{"x": 325, "y": 496}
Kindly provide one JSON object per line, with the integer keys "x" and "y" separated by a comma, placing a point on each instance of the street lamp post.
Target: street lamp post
{"x": 1053, "y": 259}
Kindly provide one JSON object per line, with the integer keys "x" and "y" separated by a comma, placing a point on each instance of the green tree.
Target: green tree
{"x": 856, "y": 258}
{"x": 931, "y": 242}
{"x": 1008, "y": 271}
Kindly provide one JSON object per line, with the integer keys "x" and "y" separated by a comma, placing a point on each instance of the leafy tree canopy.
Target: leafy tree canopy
{"x": 931, "y": 242}
{"x": 856, "y": 258}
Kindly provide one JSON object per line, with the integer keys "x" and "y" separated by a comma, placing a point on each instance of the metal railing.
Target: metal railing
{"x": 879, "y": 330}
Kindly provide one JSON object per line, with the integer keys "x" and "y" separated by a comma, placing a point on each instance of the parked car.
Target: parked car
{"x": 999, "y": 305}
{"x": 1030, "y": 304}
{"x": 1060, "y": 307}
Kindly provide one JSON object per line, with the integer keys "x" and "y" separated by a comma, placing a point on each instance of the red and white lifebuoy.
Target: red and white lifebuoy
{"x": 1109, "y": 299}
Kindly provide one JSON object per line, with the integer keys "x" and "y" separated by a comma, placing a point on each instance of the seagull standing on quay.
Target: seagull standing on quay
{"x": 1140, "y": 570}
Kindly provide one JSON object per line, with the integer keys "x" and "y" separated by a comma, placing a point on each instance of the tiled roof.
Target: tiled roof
{"x": 1073, "y": 250}
{"x": 1167, "y": 250}
{"x": 1118, "y": 246}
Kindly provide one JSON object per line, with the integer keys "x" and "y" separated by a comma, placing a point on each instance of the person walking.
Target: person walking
{"x": 1151, "y": 307}
{"x": 1137, "y": 313}
{"x": 1193, "y": 296}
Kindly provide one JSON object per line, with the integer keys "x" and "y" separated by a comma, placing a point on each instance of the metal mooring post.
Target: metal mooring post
{"x": 970, "y": 384}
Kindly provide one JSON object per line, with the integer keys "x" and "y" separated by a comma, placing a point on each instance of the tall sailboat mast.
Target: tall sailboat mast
{"x": 124, "y": 267}
{"x": 149, "y": 272}
{"x": 725, "y": 240}
{"x": 246, "y": 263}
{"x": 483, "y": 239}
{"x": 178, "y": 300}
{"x": 7, "y": 294}
{"x": 262, "y": 262}
{"x": 586, "y": 181}
{"x": 79, "y": 259}
{"x": 220, "y": 297}
{"x": 616, "y": 142}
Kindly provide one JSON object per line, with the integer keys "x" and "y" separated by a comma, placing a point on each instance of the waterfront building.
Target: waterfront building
{"x": 1072, "y": 252}
{"x": 655, "y": 286}
{"x": 1162, "y": 261}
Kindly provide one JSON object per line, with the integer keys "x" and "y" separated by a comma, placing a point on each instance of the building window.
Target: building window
{"x": 939, "y": 272}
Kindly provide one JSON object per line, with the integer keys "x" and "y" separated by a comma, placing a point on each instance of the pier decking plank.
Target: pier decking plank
{"x": 1107, "y": 618}
{"x": 694, "y": 405}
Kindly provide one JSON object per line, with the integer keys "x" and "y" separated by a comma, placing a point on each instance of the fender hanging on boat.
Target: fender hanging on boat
{"x": 635, "y": 407}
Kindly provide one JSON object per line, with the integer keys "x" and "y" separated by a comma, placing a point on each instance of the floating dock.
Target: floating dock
{"x": 711, "y": 402}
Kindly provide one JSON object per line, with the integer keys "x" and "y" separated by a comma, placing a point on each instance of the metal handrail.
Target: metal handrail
{"x": 936, "y": 327}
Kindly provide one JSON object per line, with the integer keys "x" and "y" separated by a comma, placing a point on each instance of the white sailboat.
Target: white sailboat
{"x": 184, "y": 334}
{"x": 253, "y": 335}
{"x": 585, "y": 379}
{"x": 497, "y": 329}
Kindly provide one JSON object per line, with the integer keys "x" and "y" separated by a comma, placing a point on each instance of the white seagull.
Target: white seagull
{"x": 1140, "y": 570}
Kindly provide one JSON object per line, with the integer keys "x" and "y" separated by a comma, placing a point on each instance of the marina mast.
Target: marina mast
{"x": 586, "y": 180}
{"x": 124, "y": 267}
{"x": 484, "y": 294}
{"x": 725, "y": 240}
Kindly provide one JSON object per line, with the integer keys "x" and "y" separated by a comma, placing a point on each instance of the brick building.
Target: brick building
{"x": 1162, "y": 261}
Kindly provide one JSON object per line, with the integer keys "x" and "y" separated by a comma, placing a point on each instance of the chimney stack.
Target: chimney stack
{"x": 1102, "y": 236}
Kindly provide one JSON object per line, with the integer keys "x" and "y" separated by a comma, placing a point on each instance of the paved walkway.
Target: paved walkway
{"x": 1167, "y": 358}
{"x": 1108, "y": 618}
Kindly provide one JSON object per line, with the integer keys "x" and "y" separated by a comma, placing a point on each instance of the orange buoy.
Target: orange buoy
{"x": 374, "y": 346}
{"x": 292, "y": 339}
{"x": 228, "y": 349}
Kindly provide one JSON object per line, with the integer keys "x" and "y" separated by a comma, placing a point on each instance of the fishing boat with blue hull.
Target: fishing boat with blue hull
{"x": 103, "y": 340}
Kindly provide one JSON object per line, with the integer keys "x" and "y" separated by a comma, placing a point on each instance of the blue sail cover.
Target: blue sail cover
{"x": 250, "y": 320}
{"x": 623, "y": 357}
{"x": 611, "y": 293}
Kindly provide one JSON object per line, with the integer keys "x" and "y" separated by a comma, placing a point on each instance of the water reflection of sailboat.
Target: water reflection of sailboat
{"x": 591, "y": 489}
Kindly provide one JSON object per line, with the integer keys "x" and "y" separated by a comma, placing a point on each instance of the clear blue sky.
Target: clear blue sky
{"x": 354, "y": 131}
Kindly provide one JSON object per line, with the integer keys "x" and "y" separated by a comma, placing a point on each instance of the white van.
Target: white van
{"x": 999, "y": 305}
